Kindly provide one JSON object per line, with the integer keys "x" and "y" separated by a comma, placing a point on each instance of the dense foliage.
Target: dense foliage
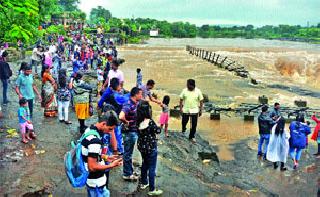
{"x": 20, "y": 19}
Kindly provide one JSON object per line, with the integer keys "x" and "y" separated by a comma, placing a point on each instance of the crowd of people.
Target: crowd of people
{"x": 125, "y": 117}
{"x": 279, "y": 143}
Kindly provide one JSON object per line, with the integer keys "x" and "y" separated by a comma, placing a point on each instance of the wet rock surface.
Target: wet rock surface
{"x": 183, "y": 168}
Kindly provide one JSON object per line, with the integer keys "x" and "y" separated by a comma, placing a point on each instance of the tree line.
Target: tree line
{"x": 19, "y": 20}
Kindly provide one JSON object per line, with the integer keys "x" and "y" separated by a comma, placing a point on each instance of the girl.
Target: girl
{"x": 49, "y": 87}
{"x": 164, "y": 117}
{"x": 147, "y": 145}
{"x": 278, "y": 147}
{"x": 24, "y": 121}
{"x": 64, "y": 97}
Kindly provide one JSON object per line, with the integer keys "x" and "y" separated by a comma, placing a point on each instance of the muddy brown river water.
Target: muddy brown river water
{"x": 270, "y": 62}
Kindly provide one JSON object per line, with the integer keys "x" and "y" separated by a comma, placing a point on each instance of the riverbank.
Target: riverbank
{"x": 38, "y": 166}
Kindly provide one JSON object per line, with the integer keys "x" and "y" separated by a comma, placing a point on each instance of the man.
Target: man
{"x": 275, "y": 113}
{"x": 109, "y": 98}
{"x": 128, "y": 116}
{"x": 25, "y": 87}
{"x": 5, "y": 74}
{"x": 265, "y": 125}
{"x": 115, "y": 73}
{"x": 191, "y": 102}
{"x": 91, "y": 153}
{"x": 146, "y": 91}
{"x": 36, "y": 58}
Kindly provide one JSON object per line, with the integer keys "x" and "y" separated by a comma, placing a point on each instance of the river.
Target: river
{"x": 271, "y": 62}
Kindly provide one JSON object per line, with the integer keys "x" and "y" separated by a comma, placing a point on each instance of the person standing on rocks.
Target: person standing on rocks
{"x": 147, "y": 145}
{"x": 128, "y": 116}
{"x": 191, "y": 102}
{"x": 115, "y": 73}
{"x": 92, "y": 156}
{"x": 278, "y": 147}
{"x": 25, "y": 88}
{"x": 81, "y": 99}
{"x": 299, "y": 131}
{"x": 146, "y": 91}
{"x": 36, "y": 58}
{"x": 316, "y": 134}
{"x": 5, "y": 74}
{"x": 265, "y": 124}
{"x": 275, "y": 112}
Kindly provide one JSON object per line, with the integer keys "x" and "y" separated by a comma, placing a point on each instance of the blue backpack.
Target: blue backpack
{"x": 74, "y": 164}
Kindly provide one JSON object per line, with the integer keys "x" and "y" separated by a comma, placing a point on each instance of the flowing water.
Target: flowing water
{"x": 286, "y": 71}
{"x": 272, "y": 63}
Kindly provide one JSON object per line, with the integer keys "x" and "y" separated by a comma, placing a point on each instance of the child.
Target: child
{"x": 139, "y": 77}
{"x": 147, "y": 145}
{"x": 64, "y": 97}
{"x": 164, "y": 117}
{"x": 100, "y": 76}
{"x": 24, "y": 121}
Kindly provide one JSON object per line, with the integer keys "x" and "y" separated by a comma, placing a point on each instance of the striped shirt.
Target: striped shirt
{"x": 91, "y": 147}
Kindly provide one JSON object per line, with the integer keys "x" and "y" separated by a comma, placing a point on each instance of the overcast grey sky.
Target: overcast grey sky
{"x": 238, "y": 12}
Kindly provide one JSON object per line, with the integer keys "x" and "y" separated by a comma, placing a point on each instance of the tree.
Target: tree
{"x": 19, "y": 20}
{"x": 69, "y": 5}
{"x": 48, "y": 8}
{"x": 99, "y": 12}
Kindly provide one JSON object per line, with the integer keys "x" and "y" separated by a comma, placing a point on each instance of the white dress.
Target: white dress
{"x": 278, "y": 147}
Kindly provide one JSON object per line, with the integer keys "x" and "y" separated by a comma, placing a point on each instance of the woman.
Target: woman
{"x": 49, "y": 87}
{"x": 278, "y": 147}
{"x": 316, "y": 134}
{"x": 81, "y": 100}
{"x": 298, "y": 139}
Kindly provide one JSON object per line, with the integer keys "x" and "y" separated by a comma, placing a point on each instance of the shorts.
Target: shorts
{"x": 164, "y": 118}
{"x": 25, "y": 125}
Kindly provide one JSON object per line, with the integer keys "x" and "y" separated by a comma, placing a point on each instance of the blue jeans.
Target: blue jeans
{"x": 98, "y": 192}
{"x": 263, "y": 137}
{"x": 129, "y": 140}
{"x": 5, "y": 90}
{"x": 149, "y": 165}
{"x": 298, "y": 152}
{"x": 118, "y": 134}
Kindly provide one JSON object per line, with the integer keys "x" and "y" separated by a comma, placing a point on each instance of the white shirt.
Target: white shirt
{"x": 115, "y": 74}
{"x": 35, "y": 55}
{"x": 53, "y": 49}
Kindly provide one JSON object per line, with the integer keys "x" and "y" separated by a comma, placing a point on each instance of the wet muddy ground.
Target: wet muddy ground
{"x": 38, "y": 166}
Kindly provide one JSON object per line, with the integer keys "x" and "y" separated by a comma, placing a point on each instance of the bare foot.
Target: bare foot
{"x": 25, "y": 141}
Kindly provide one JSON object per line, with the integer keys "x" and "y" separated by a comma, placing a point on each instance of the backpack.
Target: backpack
{"x": 74, "y": 164}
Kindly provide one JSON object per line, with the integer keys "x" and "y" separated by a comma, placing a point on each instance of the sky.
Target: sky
{"x": 215, "y": 12}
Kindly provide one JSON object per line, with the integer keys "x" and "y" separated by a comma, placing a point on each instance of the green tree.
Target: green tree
{"x": 19, "y": 20}
{"x": 99, "y": 12}
{"x": 69, "y": 5}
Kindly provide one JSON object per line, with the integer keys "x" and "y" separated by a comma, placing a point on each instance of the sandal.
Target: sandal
{"x": 25, "y": 141}
{"x": 33, "y": 135}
